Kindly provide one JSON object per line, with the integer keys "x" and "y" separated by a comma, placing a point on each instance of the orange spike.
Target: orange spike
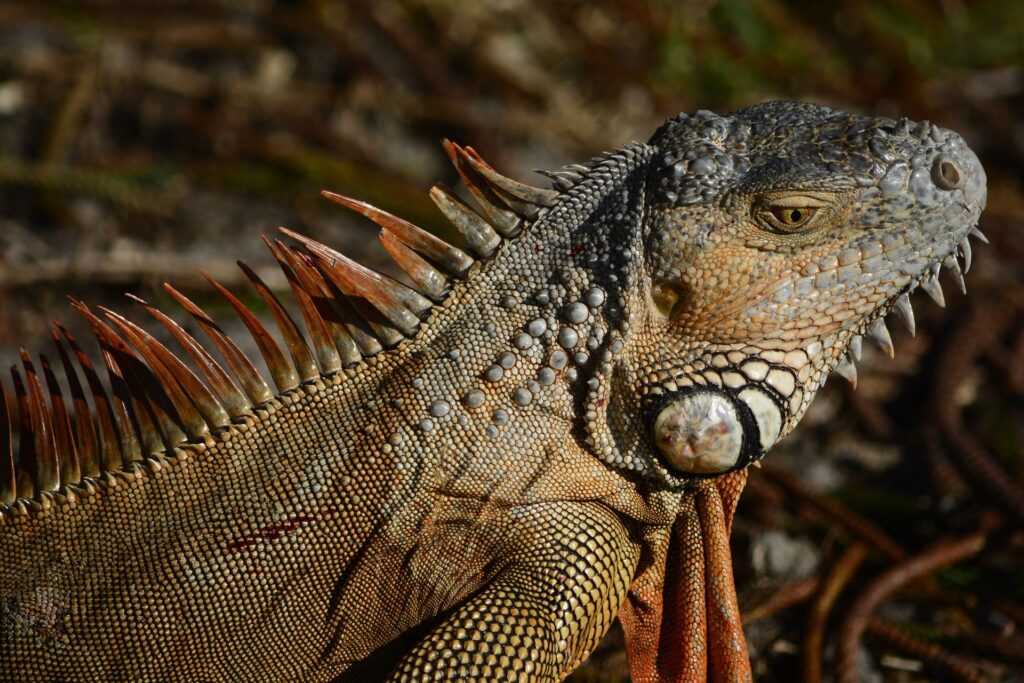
{"x": 357, "y": 281}
{"x": 285, "y": 377}
{"x": 110, "y": 449}
{"x": 388, "y": 289}
{"x": 165, "y": 385}
{"x": 452, "y": 259}
{"x": 123, "y": 406}
{"x": 46, "y": 473}
{"x": 326, "y": 351}
{"x": 227, "y": 392}
{"x": 67, "y": 452}
{"x": 487, "y": 175}
{"x": 182, "y": 386}
{"x": 8, "y": 479}
{"x": 131, "y": 449}
{"x": 255, "y": 388}
{"x": 85, "y": 435}
{"x": 301, "y": 355}
{"x": 158, "y": 432}
{"x": 478, "y": 233}
{"x": 503, "y": 185}
{"x": 351, "y": 332}
{"x": 25, "y": 460}
{"x": 147, "y": 419}
{"x": 503, "y": 220}
{"x": 428, "y": 279}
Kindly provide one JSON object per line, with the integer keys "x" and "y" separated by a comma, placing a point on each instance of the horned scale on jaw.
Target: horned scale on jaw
{"x": 565, "y": 407}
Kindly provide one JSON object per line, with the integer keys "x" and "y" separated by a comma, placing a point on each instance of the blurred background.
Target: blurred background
{"x": 148, "y": 140}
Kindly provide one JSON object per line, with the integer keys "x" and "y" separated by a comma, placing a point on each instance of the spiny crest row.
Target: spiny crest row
{"x": 157, "y": 401}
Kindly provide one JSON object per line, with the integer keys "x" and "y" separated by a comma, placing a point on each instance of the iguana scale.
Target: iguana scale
{"x": 471, "y": 477}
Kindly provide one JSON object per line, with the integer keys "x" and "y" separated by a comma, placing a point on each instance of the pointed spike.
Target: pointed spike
{"x": 354, "y": 320}
{"x": 452, "y": 259}
{"x": 143, "y": 413}
{"x": 191, "y": 419}
{"x": 369, "y": 326}
{"x": 848, "y": 370}
{"x": 328, "y": 308}
{"x": 156, "y": 439}
{"x": 503, "y": 220}
{"x": 24, "y": 464}
{"x": 380, "y": 332}
{"x": 250, "y": 379}
{"x": 932, "y": 288}
{"x": 339, "y": 309}
{"x": 427, "y": 279}
{"x": 978, "y": 235}
{"x": 8, "y": 476}
{"x": 856, "y": 346}
{"x": 563, "y": 180}
{"x": 906, "y": 312}
{"x": 124, "y": 412}
{"x": 879, "y": 334}
{"x": 149, "y": 410}
{"x": 478, "y": 233}
{"x": 146, "y": 417}
{"x": 173, "y": 373}
{"x": 953, "y": 264}
{"x": 228, "y": 394}
{"x": 109, "y": 452}
{"x": 396, "y": 301}
{"x": 326, "y": 353}
{"x": 536, "y": 196}
{"x": 527, "y": 211}
{"x": 86, "y": 442}
{"x": 123, "y": 406}
{"x": 388, "y": 335}
{"x": 64, "y": 442}
{"x": 302, "y": 357}
{"x": 357, "y": 281}
{"x": 46, "y": 475}
{"x": 285, "y": 377}
{"x": 965, "y": 249}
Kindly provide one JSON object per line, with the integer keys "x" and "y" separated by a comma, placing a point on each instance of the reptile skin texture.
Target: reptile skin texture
{"x": 472, "y": 477}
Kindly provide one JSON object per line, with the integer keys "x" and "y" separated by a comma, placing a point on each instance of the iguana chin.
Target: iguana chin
{"x": 471, "y": 477}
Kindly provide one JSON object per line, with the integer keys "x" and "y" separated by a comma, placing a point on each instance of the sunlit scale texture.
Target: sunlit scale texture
{"x": 479, "y": 490}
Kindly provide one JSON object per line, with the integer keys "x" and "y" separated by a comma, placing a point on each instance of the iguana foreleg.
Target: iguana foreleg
{"x": 570, "y": 567}
{"x": 681, "y": 618}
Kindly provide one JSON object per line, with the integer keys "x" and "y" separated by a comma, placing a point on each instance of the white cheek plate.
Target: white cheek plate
{"x": 700, "y": 433}
{"x": 766, "y": 415}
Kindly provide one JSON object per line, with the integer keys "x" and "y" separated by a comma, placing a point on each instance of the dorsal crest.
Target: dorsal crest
{"x": 57, "y": 443}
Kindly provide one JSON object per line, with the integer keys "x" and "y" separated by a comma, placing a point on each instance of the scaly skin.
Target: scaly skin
{"x": 480, "y": 503}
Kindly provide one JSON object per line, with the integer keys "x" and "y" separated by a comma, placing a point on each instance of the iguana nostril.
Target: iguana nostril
{"x": 946, "y": 174}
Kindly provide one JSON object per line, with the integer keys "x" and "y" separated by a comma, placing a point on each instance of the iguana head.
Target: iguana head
{"x": 774, "y": 239}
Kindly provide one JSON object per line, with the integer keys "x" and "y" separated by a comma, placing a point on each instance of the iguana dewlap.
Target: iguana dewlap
{"x": 470, "y": 477}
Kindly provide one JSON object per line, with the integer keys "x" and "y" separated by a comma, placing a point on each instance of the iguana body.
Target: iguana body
{"x": 560, "y": 441}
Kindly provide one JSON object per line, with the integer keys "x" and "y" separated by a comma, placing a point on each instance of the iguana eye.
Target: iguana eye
{"x": 788, "y": 218}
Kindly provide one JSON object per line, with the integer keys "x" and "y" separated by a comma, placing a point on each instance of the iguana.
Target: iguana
{"x": 471, "y": 477}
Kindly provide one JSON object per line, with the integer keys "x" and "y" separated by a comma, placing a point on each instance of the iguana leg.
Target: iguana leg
{"x": 570, "y": 569}
{"x": 681, "y": 619}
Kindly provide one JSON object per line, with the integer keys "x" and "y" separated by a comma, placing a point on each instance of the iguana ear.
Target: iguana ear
{"x": 681, "y": 617}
